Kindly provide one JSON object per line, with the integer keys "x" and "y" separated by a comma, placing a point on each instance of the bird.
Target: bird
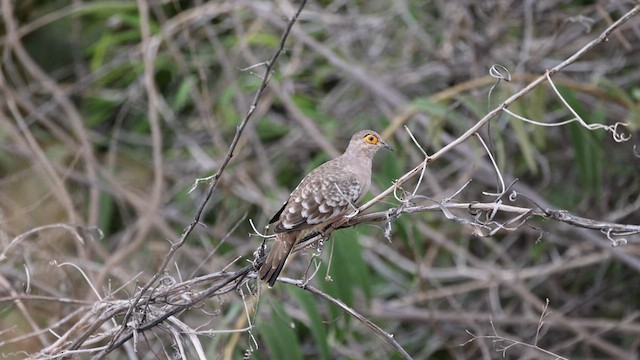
{"x": 324, "y": 196}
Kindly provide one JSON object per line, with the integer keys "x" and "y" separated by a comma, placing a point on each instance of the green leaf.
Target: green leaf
{"x": 430, "y": 107}
{"x": 348, "y": 269}
{"x": 269, "y": 130}
{"x": 439, "y": 115}
{"x": 316, "y": 325}
{"x": 106, "y": 8}
{"x": 263, "y": 38}
{"x": 526, "y": 148}
{"x": 587, "y": 145}
{"x": 391, "y": 167}
{"x": 99, "y": 110}
{"x": 183, "y": 93}
{"x": 279, "y": 335}
{"x": 535, "y": 110}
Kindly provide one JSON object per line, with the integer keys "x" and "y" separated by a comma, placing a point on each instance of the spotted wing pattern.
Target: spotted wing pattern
{"x": 325, "y": 194}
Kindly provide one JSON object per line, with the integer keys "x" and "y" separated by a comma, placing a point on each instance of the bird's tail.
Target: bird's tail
{"x": 277, "y": 257}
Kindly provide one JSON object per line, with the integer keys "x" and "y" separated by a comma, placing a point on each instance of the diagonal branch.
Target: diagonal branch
{"x": 212, "y": 185}
{"x": 497, "y": 110}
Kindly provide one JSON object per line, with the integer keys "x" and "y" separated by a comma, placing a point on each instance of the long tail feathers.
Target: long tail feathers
{"x": 277, "y": 257}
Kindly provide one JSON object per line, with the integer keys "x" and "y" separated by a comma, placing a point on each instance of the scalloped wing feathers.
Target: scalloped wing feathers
{"x": 324, "y": 195}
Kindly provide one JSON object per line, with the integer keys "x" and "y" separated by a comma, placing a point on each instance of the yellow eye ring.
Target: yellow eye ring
{"x": 371, "y": 139}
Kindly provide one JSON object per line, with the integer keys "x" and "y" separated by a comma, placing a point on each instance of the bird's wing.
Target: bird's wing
{"x": 319, "y": 198}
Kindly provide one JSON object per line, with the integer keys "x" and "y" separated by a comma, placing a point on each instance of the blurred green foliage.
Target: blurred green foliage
{"x": 204, "y": 75}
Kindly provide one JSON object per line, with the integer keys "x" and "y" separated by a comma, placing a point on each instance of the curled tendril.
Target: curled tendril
{"x": 167, "y": 281}
{"x": 615, "y": 242}
{"x": 473, "y": 211}
{"x": 500, "y": 72}
{"x": 618, "y": 135}
{"x": 513, "y": 196}
{"x": 258, "y": 233}
{"x": 540, "y": 233}
{"x": 247, "y": 354}
{"x": 402, "y": 198}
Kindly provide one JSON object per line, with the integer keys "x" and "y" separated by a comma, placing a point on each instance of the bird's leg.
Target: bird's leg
{"x": 327, "y": 231}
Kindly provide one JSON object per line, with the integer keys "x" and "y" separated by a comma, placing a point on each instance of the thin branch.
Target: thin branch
{"x": 388, "y": 338}
{"x": 214, "y": 179}
{"x": 493, "y": 113}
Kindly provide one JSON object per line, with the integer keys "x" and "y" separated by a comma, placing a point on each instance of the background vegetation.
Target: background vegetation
{"x": 112, "y": 109}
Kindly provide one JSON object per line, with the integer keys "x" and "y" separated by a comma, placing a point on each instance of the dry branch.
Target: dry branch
{"x": 162, "y": 298}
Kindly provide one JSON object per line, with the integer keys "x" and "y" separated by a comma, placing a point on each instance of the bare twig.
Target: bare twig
{"x": 500, "y": 346}
{"x": 388, "y": 338}
{"x": 213, "y": 179}
{"x": 493, "y": 113}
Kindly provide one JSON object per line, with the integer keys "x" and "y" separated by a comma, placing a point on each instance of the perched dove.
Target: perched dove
{"x": 322, "y": 197}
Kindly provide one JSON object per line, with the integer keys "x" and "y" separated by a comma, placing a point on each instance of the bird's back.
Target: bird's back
{"x": 323, "y": 195}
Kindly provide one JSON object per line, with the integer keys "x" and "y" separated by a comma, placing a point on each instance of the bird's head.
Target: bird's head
{"x": 366, "y": 142}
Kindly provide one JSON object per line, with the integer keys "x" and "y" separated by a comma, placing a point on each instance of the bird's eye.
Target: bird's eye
{"x": 371, "y": 139}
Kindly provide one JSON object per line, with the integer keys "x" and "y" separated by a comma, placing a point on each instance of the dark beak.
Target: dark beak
{"x": 386, "y": 145}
